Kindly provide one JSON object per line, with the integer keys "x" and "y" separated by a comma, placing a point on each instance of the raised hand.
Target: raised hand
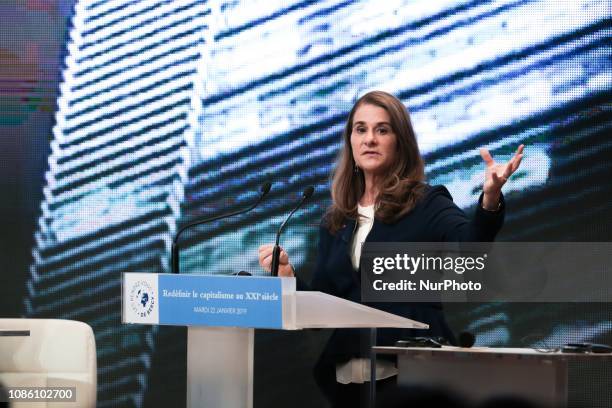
{"x": 496, "y": 175}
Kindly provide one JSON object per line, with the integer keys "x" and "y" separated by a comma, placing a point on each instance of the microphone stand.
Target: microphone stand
{"x": 265, "y": 189}
{"x": 276, "y": 250}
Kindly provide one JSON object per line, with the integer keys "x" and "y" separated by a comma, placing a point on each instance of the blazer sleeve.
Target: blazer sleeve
{"x": 449, "y": 223}
{"x": 320, "y": 279}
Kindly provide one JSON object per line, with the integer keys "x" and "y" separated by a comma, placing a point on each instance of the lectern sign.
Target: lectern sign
{"x": 197, "y": 300}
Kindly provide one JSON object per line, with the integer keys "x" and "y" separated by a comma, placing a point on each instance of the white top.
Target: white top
{"x": 357, "y": 370}
{"x": 364, "y": 225}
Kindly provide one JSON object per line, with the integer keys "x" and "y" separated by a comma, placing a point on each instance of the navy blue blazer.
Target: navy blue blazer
{"x": 435, "y": 218}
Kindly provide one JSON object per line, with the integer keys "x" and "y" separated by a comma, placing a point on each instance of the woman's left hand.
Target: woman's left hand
{"x": 496, "y": 175}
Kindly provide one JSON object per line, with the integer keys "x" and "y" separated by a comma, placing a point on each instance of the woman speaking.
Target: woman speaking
{"x": 379, "y": 194}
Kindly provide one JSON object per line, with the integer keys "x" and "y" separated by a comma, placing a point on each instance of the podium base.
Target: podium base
{"x": 220, "y": 367}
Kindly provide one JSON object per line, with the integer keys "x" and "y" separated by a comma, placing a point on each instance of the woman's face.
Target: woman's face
{"x": 372, "y": 140}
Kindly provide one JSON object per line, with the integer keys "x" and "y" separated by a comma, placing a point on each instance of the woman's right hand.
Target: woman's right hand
{"x": 265, "y": 260}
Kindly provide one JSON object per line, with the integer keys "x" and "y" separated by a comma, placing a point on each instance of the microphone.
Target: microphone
{"x": 265, "y": 189}
{"x": 466, "y": 339}
{"x": 242, "y": 273}
{"x": 276, "y": 251}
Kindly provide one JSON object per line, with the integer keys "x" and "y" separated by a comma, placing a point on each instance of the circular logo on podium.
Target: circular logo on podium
{"x": 142, "y": 298}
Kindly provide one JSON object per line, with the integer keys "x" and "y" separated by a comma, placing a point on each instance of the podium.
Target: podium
{"x": 222, "y": 312}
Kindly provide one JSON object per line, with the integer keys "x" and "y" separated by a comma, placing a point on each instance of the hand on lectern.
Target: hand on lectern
{"x": 265, "y": 260}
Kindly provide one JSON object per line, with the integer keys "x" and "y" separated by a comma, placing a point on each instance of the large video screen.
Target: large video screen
{"x": 166, "y": 112}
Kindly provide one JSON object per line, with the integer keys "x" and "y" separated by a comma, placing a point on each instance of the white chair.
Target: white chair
{"x": 49, "y": 353}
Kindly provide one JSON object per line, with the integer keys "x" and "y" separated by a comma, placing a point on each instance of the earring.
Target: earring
{"x": 356, "y": 169}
